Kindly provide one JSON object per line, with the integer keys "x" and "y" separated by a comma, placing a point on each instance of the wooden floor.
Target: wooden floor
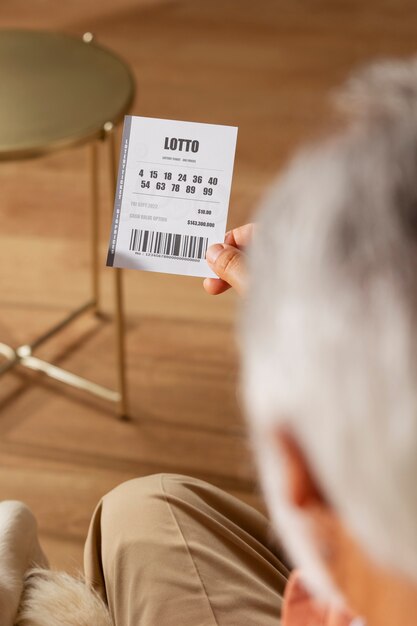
{"x": 264, "y": 66}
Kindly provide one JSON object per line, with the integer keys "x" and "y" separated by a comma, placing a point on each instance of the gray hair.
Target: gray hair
{"x": 329, "y": 329}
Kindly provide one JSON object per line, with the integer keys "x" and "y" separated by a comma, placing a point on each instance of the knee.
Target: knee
{"x": 139, "y": 505}
{"x": 136, "y": 517}
{"x": 147, "y": 489}
{"x": 134, "y": 490}
{"x": 144, "y": 490}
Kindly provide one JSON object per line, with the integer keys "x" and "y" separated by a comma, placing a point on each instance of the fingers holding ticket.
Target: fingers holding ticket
{"x": 228, "y": 261}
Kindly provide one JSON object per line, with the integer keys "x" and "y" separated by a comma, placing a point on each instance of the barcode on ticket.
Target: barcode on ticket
{"x": 168, "y": 244}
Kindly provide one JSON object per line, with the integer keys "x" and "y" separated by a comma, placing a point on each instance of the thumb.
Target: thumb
{"x": 228, "y": 263}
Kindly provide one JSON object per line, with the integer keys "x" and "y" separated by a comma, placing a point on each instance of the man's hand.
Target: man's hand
{"x": 228, "y": 261}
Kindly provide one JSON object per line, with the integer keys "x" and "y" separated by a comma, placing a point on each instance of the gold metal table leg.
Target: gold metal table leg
{"x": 118, "y": 286}
{"x": 62, "y": 324}
{"x": 7, "y": 351}
{"x": 95, "y": 237}
{"x": 11, "y": 357}
{"x": 23, "y": 355}
{"x": 57, "y": 373}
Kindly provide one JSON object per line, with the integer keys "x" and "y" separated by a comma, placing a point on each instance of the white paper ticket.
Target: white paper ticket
{"x": 172, "y": 195}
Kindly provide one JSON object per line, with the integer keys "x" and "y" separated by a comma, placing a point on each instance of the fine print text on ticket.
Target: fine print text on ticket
{"x": 172, "y": 195}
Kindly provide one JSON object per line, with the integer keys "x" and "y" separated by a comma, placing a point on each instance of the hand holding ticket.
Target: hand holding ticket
{"x": 172, "y": 195}
{"x": 228, "y": 261}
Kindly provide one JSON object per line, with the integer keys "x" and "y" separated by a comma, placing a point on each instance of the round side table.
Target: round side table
{"x": 59, "y": 91}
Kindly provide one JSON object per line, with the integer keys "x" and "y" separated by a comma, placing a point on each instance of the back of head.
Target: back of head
{"x": 330, "y": 325}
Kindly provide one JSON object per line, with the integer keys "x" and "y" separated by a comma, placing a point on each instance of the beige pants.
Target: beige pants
{"x": 169, "y": 550}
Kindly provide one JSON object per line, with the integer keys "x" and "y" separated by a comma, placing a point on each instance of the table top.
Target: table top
{"x": 56, "y": 91}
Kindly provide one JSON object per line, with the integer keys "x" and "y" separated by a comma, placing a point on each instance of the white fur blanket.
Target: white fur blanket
{"x": 19, "y": 550}
{"x": 30, "y": 593}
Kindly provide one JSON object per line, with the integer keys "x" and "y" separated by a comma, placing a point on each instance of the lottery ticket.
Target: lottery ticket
{"x": 172, "y": 195}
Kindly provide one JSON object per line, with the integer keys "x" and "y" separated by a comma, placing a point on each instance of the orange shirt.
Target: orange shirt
{"x": 300, "y": 608}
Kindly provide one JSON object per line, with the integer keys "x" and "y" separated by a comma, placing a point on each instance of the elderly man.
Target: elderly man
{"x": 329, "y": 369}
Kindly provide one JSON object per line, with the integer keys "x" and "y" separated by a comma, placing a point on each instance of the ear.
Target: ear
{"x": 303, "y": 489}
